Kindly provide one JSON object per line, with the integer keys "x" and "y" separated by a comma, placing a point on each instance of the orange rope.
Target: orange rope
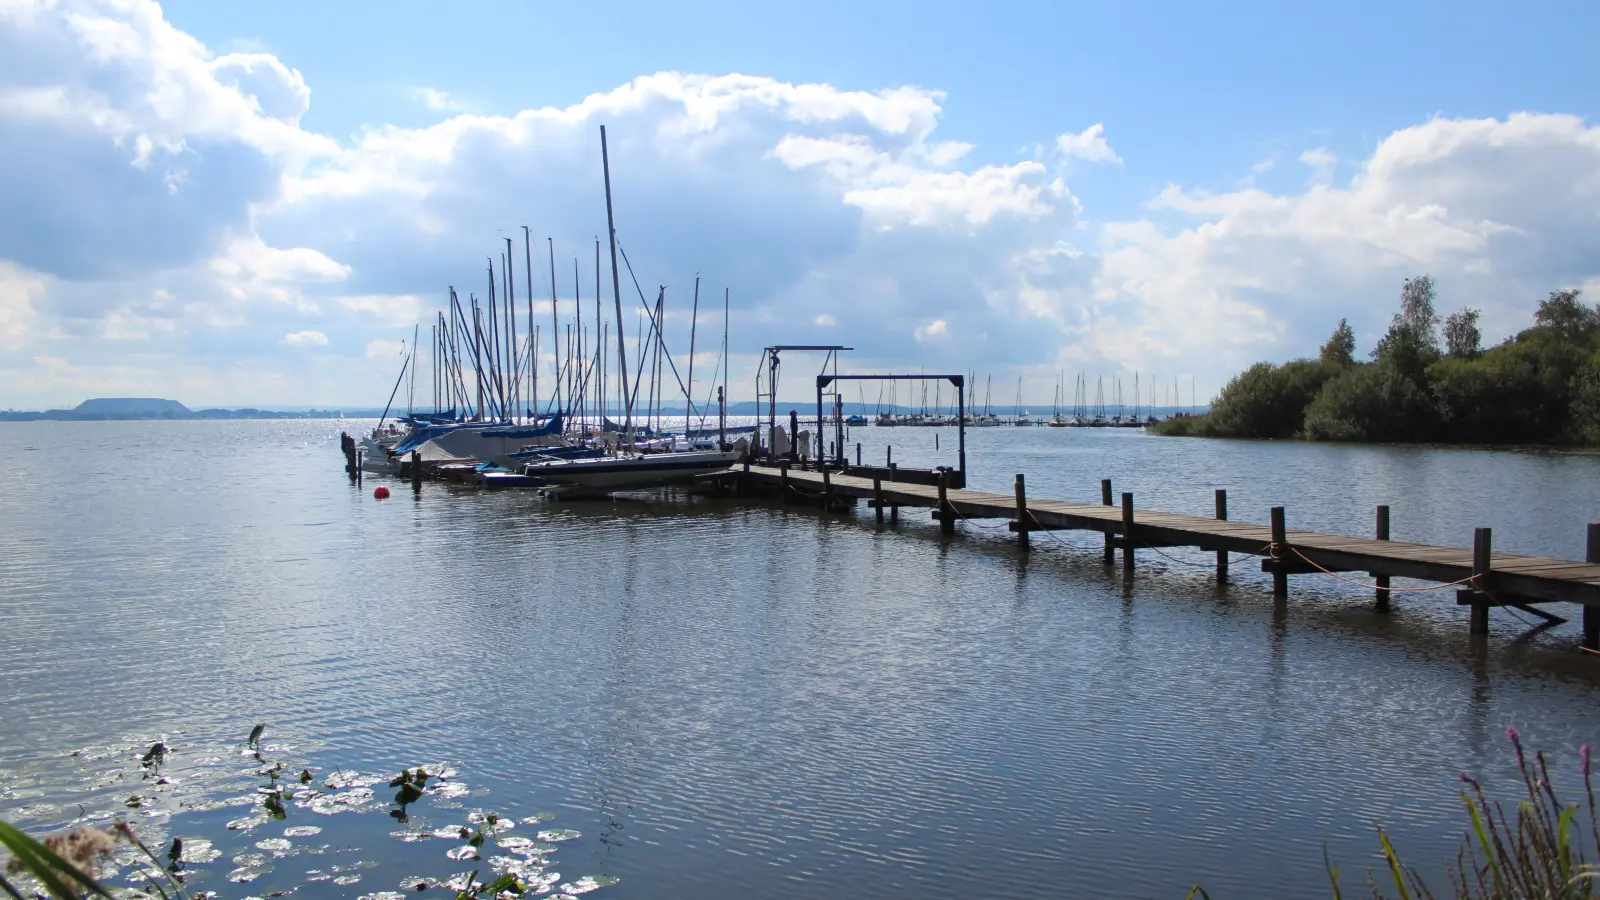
{"x": 1415, "y": 590}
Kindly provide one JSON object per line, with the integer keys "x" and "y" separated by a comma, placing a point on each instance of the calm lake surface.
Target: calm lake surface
{"x": 728, "y": 699}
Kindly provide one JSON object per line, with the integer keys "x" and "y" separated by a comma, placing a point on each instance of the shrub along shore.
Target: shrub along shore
{"x": 1540, "y": 386}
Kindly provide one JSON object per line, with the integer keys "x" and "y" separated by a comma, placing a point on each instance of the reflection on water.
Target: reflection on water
{"x": 727, "y": 699}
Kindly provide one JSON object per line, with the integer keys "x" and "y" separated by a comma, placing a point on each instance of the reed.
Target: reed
{"x": 1539, "y": 850}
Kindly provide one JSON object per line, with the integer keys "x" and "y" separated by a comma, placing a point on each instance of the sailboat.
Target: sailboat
{"x": 1056, "y": 419}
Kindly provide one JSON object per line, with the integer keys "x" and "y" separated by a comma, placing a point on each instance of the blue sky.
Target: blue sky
{"x": 1178, "y": 188}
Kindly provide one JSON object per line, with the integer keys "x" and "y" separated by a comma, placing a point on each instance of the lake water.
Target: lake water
{"x": 729, "y": 699}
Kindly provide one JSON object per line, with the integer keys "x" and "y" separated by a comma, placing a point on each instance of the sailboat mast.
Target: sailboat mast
{"x": 616, "y": 288}
{"x": 555, "y": 324}
{"x": 688, "y": 390}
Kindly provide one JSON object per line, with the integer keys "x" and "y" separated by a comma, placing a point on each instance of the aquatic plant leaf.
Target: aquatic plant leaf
{"x": 408, "y": 793}
{"x": 306, "y": 776}
{"x": 255, "y": 735}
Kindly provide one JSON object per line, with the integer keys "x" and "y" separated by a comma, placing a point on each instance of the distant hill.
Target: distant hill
{"x": 132, "y": 408}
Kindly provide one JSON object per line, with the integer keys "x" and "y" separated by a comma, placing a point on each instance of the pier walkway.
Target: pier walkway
{"x": 1485, "y": 578}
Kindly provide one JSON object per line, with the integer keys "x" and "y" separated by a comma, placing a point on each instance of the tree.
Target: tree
{"x": 1461, "y": 335}
{"x": 1565, "y": 316}
{"x": 1341, "y": 346}
{"x": 1414, "y": 330}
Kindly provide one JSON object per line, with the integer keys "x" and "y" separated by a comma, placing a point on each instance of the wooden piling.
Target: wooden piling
{"x": 1127, "y": 531}
{"x": 877, "y": 497}
{"x": 1023, "y": 519}
{"x": 1105, "y": 500}
{"x": 1482, "y": 554}
{"x": 1381, "y": 586}
{"x": 1222, "y": 516}
{"x": 1591, "y": 614}
{"x": 783, "y": 482}
{"x": 947, "y": 518}
{"x": 1280, "y": 552}
{"x": 827, "y": 491}
{"x": 858, "y": 454}
{"x": 416, "y": 472}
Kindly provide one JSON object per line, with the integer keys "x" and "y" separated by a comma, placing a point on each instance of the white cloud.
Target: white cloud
{"x": 437, "y": 100}
{"x": 815, "y": 204}
{"x": 306, "y": 338}
{"x": 1088, "y": 144}
{"x": 1322, "y": 160}
{"x": 385, "y": 350}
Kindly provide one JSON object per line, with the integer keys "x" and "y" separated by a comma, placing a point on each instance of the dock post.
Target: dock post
{"x": 1127, "y": 532}
{"x": 1222, "y": 516}
{"x": 1023, "y": 519}
{"x": 1280, "y": 551}
{"x": 783, "y": 482}
{"x": 357, "y": 471}
{"x": 858, "y": 454}
{"x": 1381, "y": 582}
{"x": 877, "y": 497}
{"x": 947, "y": 519}
{"x": 1482, "y": 550}
{"x": 1105, "y": 500}
{"x": 888, "y": 457}
{"x": 416, "y": 471}
{"x": 827, "y": 490}
{"x": 1591, "y": 614}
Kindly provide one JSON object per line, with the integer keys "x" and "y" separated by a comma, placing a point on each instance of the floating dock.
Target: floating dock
{"x": 1484, "y": 578}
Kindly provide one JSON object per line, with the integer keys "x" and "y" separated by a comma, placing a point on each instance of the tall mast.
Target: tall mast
{"x": 600, "y": 339}
{"x": 688, "y": 391}
{"x": 616, "y": 288}
{"x": 533, "y": 332}
{"x": 555, "y": 324}
{"x": 511, "y": 333}
{"x": 577, "y": 310}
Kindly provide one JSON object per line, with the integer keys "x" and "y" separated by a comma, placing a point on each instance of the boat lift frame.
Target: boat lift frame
{"x": 960, "y": 382}
{"x": 767, "y": 372}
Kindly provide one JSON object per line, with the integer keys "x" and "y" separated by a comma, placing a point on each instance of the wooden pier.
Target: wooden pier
{"x": 1484, "y": 578}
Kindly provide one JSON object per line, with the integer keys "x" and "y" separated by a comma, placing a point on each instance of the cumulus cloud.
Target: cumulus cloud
{"x": 1320, "y": 159}
{"x": 165, "y": 203}
{"x": 306, "y": 338}
{"x": 1088, "y": 144}
{"x": 1499, "y": 211}
{"x": 437, "y": 100}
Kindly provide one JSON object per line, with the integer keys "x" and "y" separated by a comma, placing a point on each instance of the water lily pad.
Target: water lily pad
{"x": 250, "y": 859}
{"x": 465, "y": 851}
{"x": 589, "y": 883}
{"x": 383, "y": 895}
{"x": 346, "y": 879}
{"x": 317, "y": 875}
{"x": 276, "y": 845}
{"x": 559, "y": 834}
{"x": 301, "y": 831}
{"x": 410, "y": 837}
{"x": 198, "y": 850}
{"x": 246, "y": 874}
{"x": 450, "y": 790}
{"x": 536, "y": 818}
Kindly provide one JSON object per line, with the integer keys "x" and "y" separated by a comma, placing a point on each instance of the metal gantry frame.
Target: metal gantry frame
{"x": 767, "y": 373}
{"x": 960, "y": 382}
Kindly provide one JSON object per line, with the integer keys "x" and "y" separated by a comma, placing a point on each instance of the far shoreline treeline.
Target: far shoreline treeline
{"x": 1540, "y": 386}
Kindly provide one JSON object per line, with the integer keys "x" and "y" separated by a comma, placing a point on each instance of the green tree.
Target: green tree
{"x": 1461, "y": 334}
{"x": 1341, "y": 346}
{"x": 1412, "y": 342}
{"x": 1373, "y": 402}
{"x": 1268, "y": 401}
{"x": 1565, "y": 316}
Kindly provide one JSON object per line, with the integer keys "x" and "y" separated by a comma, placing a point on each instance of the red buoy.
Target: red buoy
{"x": 380, "y": 493}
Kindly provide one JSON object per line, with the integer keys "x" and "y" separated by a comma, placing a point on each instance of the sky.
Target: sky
{"x": 233, "y": 204}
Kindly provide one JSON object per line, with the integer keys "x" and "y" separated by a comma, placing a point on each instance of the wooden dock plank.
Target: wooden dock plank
{"x": 1515, "y": 575}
